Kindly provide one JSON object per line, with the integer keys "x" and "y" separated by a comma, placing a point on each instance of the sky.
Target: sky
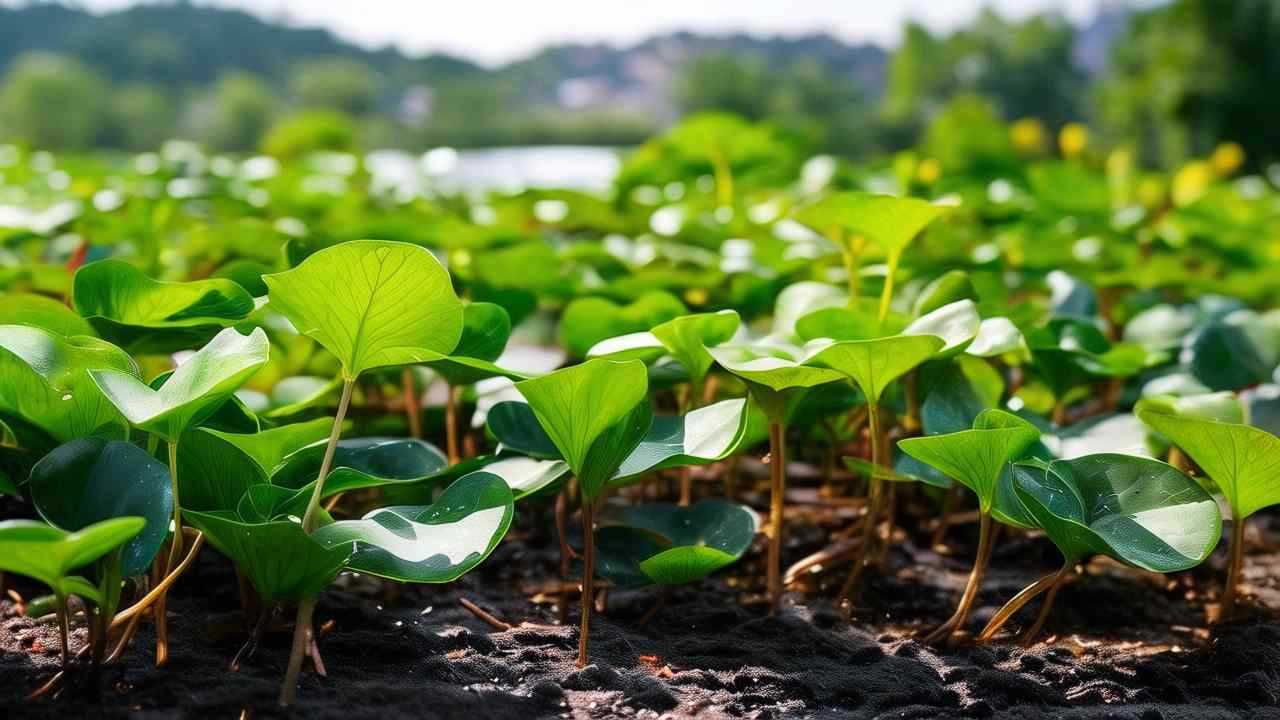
{"x": 497, "y": 31}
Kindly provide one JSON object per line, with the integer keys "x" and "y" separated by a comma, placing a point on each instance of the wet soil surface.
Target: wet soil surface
{"x": 1119, "y": 644}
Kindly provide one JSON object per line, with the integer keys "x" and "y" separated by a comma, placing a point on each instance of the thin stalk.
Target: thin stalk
{"x": 1015, "y": 604}
{"x": 1045, "y": 608}
{"x": 1233, "y": 569}
{"x": 886, "y": 295}
{"x": 875, "y": 493}
{"x": 451, "y": 424}
{"x": 588, "y": 577}
{"x": 566, "y": 553}
{"x": 301, "y": 636}
{"x": 911, "y": 385}
{"x": 689, "y": 404}
{"x": 175, "y": 552}
{"x": 412, "y": 410}
{"x": 64, "y": 628}
{"x": 724, "y": 179}
{"x": 777, "y": 493}
{"x": 310, "y": 519}
{"x": 948, "y": 628}
{"x": 162, "y": 586}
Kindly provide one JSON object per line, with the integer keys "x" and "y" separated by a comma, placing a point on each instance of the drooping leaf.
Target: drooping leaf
{"x": 1243, "y": 461}
{"x": 45, "y": 382}
{"x": 699, "y": 437}
{"x": 49, "y": 554}
{"x": 372, "y": 304}
{"x": 89, "y": 480}
{"x": 194, "y": 391}
{"x": 595, "y": 413}
{"x": 976, "y": 458}
{"x": 1135, "y": 510}
{"x": 775, "y": 373}
{"x": 144, "y": 315}
{"x": 956, "y": 323}
{"x": 363, "y": 463}
{"x": 437, "y": 543}
{"x": 525, "y": 475}
{"x": 687, "y": 337}
{"x": 671, "y": 545}
{"x": 873, "y": 364}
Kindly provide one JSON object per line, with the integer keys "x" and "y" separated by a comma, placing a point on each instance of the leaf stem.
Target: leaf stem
{"x": 957, "y": 620}
{"x": 1026, "y": 595}
{"x": 301, "y": 636}
{"x": 875, "y": 493}
{"x": 886, "y": 295}
{"x": 175, "y": 552}
{"x": 451, "y": 423}
{"x": 588, "y": 577}
{"x": 412, "y": 410}
{"x": 1234, "y": 567}
{"x": 309, "y": 519}
{"x": 64, "y": 627}
{"x": 777, "y": 496}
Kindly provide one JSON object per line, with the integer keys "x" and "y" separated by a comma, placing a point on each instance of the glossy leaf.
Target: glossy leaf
{"x": 1135, "y": 510}
{"x": 526, "y": 476}
{"x": 194, "y": 391}
{"x": 42, "y": 312}
{"x": 956, "y": 323}
{"x": 486, "y": 328}
{"x": 363, "y": 463}
{"x": 45, "y": 381}
{"x": 437, "y": 543}
{"x": 891, "y": 222}
{"x": 699, "y": 437}
{"x": 775, "y": 373}
{"x": 671, "y": 545}
{"x": 49, "y": 554}
{"x": 873, "y": 364}
{"x": 268, "y": 448}
{"x": 372, "y": 304}
{"x": 213, "y": 472}
{"x": 89, "y": 480}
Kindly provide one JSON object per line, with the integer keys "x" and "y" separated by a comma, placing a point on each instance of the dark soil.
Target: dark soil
{"x": 1120, "y": 644}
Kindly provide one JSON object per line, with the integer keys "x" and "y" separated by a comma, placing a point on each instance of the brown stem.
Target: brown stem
{"x": 588, "y": 577}
{"x": 161, "y": 587}
{"x": 957, "y": 620}
{"x": 451, "y": 423}
{"x": 566, "y": 553}
{"x": 777, "y": 493}
{"x": 301, "y": 636}
{"x": 64, "y": 629}
{"x": 1015, "y": 604}
{"x": 891, "y": 522}
{"x": 944, "y": 522}
{"x": 412, "y": 409}
{"x": 875, "y": 497}
{"x": 686, "y": 486}
{"x": 311, "y": 518}
{"x": 1046, "y": 606}
{"x": 911, "y": 385}
{"x": 1232, "y": 591}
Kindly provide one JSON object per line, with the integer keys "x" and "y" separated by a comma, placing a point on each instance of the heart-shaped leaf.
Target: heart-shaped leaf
{"x": 268, "y": 448}
{"x": 977, "y": 458}
{"x": 213, "y": 472}
{"x": 281, "y": 560}
{"x": 595, "y": 414}
{"x": 48, "y": 554}
{"x": 699, "y": 437}
{"x": 486, "y": 328}
{"x": 194, "y": 391}
{"x": 372, "y": 304}
{"x": 45, "y": 382}
{"x": 364, "y": 463}
{"x": 891, "y": 222}
{"x": 687, "y": 337}
{"x": 89, "y": 480}
{"x": 1243, "y": 461}
{"x": 672, "y": 545}
{"x": 144, "y": 315}
{"x": 775, "y": 373}
{"x": 437, "y": 543}
{"x": 587, "y": 321}
{"x": 515, "y": 425}
{"x": 956, "y": 392}
{"x": 873, "y": 364}
{"x": 1135, "y": 510}
{"x": 42, "y": 312}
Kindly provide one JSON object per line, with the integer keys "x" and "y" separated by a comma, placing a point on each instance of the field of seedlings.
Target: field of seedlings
{"x": 745, "y": 434}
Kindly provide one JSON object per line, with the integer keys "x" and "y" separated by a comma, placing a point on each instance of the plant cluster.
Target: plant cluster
{"x": 212, "y": 356}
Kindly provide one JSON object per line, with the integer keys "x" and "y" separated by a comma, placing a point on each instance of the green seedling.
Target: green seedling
{"x": 664, "y": 544}
{"x": 1239, "y": 459}
{"x": 144, "y": 316}
{"x": 595, "y": 414}
{"x": 1138, "y": 511}
{"x": 977, "y": 459}
{"x": 371, "y": 304}
{"x": 777, "y": 377}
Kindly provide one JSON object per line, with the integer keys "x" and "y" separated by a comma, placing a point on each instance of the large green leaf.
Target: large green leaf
{"x": 516, "y": 426}
{"x": 587, "y": 321}
{"x": 281, "y": 560}
{"x": 1243, "y": 461}
{"x": 688, "y": 336}
{"x": 372, "y": 304}
{"x": 699, "y": 437}
{"x": 48, "y": 554}
{"x": 45, "y": 382}
{"x": 1136, "y": 510}
{"x": 42, "y": 312}
{"x": 268, "y": 448}
{"x": 486, "y": 328}
{"x": 595, "y": 413}
{"x": 1230, "y": 355}
{"x": 194, "y": 391}
{"x": 525, "y": 475}
{"x": 213, "y": 472}
{"x": 437, "y": 543}
{"x": 775, "y": 373}
{"x": 364, "y": 463}
{"x": 891, "y": 222}
{"x": 976, "y": 458}
{"x": 89, "y": 480}
{"x": 873, "y": 364}
{"x": 672, "y": 545}
{"x": 150, "y": 316}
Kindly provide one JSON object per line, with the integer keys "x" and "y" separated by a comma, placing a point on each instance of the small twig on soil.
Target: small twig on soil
{"x": 479, "y": 612}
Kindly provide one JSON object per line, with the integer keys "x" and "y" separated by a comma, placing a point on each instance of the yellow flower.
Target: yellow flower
{"x": 695, "y": 296}
{"x": 1028, "y": 136}
{"x": 928, "y": 171}
{"x": 1226, "y": 159}
{"x": 1073, "y": 139}
{"x": 1191, "y": 182}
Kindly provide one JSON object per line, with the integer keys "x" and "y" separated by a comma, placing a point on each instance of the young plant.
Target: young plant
{"x": 371, "y": 304}
{"x": 1138, "y": 511}
{"x": 871, "y": 365}
{"x": 195, "y": 390}
{"x": 595, "y": 414}
{"x": 1241, "y": 461}
{"x": 977, "y": 459}
{"x": 777, "y": 378}
{"x": 666, "y": 544}
{"x": 685, "y": 339}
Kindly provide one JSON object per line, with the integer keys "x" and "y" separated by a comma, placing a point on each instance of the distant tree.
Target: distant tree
{"x": 235, "y": 114}
{"x": 52, "y": 102}
{"x": 336, "y": 83}
{"x": 725, "y": 83}
{"x": 1193, "y": 73}
{"x": 307, "y": 132}
{"x": 142, "y": 117}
